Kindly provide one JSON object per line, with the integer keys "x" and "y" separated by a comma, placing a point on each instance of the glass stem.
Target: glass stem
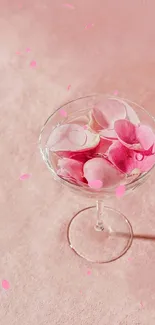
{"x": 99, "y": 224}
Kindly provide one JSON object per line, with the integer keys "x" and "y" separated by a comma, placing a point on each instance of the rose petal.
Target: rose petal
{"x": 96, "y": 184}
{"x": 121, "y": 157}
{"x": 102, "y": 147}
{"x": 126, "y": 132}
{"x": 145, "y": 163}
{"x": 5, "y": 284}
{"x": 70, "y": 168}
{"x": 130, "y": 113}
{"x": 107, "y": 112}
{"x": 108, "y": 134}
{"x": 72, "y": 137}
{"x": 153, "y": 148}
{"x": 145, "y": 136}
{"x": 93, "y": 124}
{"x": 101, "y": 169}
{"x": 127, "y": 160}
{"x": 25, "y": 176}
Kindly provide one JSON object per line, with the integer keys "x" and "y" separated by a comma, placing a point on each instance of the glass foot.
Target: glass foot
{"x": 99, "y": 243}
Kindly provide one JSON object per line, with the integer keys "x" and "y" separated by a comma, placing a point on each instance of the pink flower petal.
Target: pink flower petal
{"x": 102, "y": 147}
{"x": 69, "y": 86}
{"x": 80, "y": 156}
{"x": 72, "y": 138}
{"x": 107, "y": 112}
{"x": 153, "y": 148}
{"x": 108, "y": 134}
{"x": 145, "y": 163}
{"x": 96, "y": 184}
{"x": 121, "y": 157}
{"x": 131, "y": 114}
{"x": 68, "y": 5}
{"x": 101, "y": 169}
{"x": 33, "y": 64}
{"x": 116, "y": 92}
{"x": 145, "y": 136}
{"x": 25, "y": 176}
{"x": 127, "y": 160}
{"x": 126, "y": 132}
{"x": 94, "y": 126}
{"x": 89, "y": 26}
{"x": 70, "y": 168}
{"x": 120, "y": 190}
{"x": 5, "y": 284}
{"x": 88, "y": 272}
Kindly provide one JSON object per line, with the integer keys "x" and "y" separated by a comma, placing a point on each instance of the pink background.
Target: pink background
{"x": 48, "y": 283}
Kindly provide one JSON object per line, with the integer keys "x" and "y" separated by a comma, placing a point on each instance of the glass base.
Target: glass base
{"x": 99, "y": 245}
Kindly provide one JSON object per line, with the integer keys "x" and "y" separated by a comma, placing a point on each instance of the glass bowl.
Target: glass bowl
{"x": 98, "y": 233}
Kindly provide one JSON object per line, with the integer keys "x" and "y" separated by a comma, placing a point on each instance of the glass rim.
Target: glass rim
{"x": 85, "y": 186}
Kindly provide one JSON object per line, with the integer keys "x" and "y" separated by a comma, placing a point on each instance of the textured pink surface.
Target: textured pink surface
{"x": 49, "y": 284}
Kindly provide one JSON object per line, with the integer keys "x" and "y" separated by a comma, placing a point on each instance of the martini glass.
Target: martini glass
{"x": 98, "y": 233}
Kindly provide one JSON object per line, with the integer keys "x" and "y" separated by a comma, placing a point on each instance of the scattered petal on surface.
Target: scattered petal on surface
{"x": 88, "y": 272}
{"x": 63, "y": 113}
{"x": 97, "y": 184}
{"x": 33, "y": 64}
{"x": 28, "y": 50}
{"x": 85, "y": 127}
{"x": 116, "y": 92}
{"x": 25, "y": 176}
{"x": 69, "y": 86}
{"x": 89, "y": 26}
{"x": 120, "y": 190}
{"x": 5, "y": 284}
{"x": 68, "y": 5}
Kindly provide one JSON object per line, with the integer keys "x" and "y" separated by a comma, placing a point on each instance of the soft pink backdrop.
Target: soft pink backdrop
{"x": 48, "y": 283}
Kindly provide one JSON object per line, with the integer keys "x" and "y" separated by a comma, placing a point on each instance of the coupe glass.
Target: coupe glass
{"x": 97, "y": 233}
